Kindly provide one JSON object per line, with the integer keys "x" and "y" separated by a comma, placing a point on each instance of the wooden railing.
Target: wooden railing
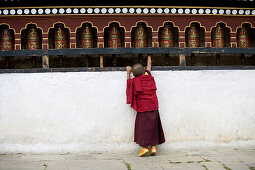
{"x": 122, "y": 52}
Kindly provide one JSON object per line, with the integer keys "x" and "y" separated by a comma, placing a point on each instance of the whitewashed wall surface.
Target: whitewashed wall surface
{"x": 87, "y": 111}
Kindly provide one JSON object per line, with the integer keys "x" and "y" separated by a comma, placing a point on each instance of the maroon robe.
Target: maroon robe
{"x": 141, "y": 94}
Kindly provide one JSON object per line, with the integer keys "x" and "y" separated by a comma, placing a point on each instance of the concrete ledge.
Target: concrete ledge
{"x": 129, "y": 147}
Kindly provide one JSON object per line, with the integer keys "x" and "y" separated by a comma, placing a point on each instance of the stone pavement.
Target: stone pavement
{"x": 191, "y": 159}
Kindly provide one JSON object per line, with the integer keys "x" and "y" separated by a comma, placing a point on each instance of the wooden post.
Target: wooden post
{"x": 242, "y": 59}
{"x": 86, "y": 60}
{"x": 217, "y": 59}
{"x": 101, "y": 61}
{"x": 60, "y": 61}
{"x": 182, "y": 59}
{"x": 45, "y": 61}
{"x": 34, "y": 61}
{"x": 140, "y": 58}
{"x": 166, "y": 59}
{"x": 8, "y": 62}
{"x": 192, "y": 58}
{"x": 114, "y": 60}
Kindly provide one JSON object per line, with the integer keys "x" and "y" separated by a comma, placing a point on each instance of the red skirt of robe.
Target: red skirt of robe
{"x": 148, "y": 129}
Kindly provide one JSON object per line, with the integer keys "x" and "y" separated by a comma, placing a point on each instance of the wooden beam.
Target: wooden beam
{"x": 148, "y": 50}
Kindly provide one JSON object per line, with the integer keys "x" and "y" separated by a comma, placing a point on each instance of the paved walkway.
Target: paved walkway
{"x": 190, "y": 159}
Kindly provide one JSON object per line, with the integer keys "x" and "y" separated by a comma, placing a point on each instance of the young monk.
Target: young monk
{"x": 141, "y": 94}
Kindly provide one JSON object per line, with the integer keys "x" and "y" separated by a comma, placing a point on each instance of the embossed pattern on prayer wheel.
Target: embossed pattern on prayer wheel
{"x": 6, "y": 39}
{"x": 86, "y": 37}
{"x": 140, "y": 36}
{"x": 193, "y": 38}
{"x": 114, "y": 40}
{"x": 60, "y": 37}
{"x": 243, "y": 39}
{"x": 33, "y": 40}
{"x": 218, "y": 36}
{"x": 166, "y": 36}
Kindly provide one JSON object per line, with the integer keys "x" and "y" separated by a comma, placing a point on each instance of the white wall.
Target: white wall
{"x": 76, "y": 111}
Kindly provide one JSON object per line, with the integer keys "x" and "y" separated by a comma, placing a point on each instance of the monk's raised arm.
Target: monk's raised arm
{"x": 128, "y": 68}
{"x": 149, "y": 62}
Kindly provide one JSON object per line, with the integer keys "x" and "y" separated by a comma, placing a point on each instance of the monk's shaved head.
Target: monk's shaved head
{"x": 137, "y": 69}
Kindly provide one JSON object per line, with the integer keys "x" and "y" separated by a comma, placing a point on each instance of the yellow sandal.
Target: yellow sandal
{"x": 143, "y": 152}
{"x": 153, "y": 151}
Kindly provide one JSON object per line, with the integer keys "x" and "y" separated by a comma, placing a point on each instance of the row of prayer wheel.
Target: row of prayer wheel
{"x": 87, "y": 36}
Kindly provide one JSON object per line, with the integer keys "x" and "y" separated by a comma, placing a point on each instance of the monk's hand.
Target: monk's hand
{"x": 128, "y": 68}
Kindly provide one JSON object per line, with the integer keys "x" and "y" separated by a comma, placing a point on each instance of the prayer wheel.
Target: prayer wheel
{"x": 193, "y": 37}
{"x": 60, "y": 37}
{"x": 33, "y": 39}
{"x": 86, "y": 37}
{"x": 6, "y": 39}
{"x": 114, "y": 40}
{"x": 166, "y": 36}
{"x": 243, "y": 39}
{"x": 140, "y": 36}
{"x": 218, "y": 36}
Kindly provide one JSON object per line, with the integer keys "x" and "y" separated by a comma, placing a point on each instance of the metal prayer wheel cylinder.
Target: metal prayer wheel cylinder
{"x": 193, "y": 37}
{"x": 6, "y": 39}
{"x": 218, "y": 36}
{"x": 114, "y": 40}
{"x": 33, "y": 39}
{"x": 243, "y": 39}
{"x": 166, "y": 36}
{"x": 60, "y": 37}
{"x": 86, "y": 37}
{"x": 140, "y": 36}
